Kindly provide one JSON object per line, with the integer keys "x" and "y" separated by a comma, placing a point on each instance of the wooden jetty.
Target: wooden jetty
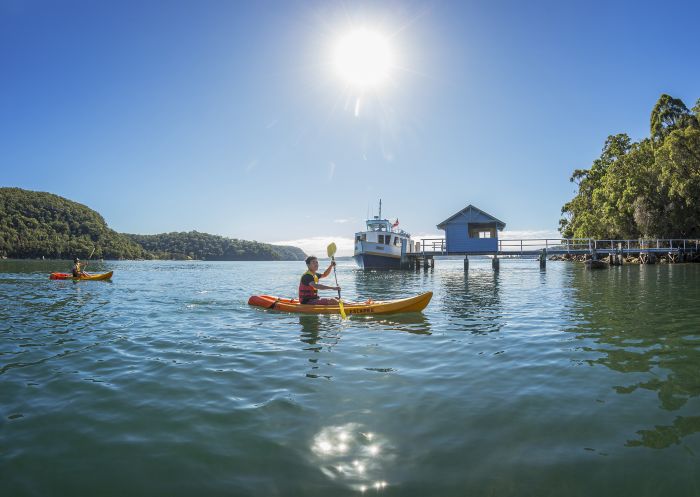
{"x": 597, "y": 253}
{"x": 471, "y": 231}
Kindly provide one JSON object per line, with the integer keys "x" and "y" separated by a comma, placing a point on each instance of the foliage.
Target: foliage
{"x": 39, "y": 224}
{"x": 195, "y": 245}
{"x": 648, "y": 188}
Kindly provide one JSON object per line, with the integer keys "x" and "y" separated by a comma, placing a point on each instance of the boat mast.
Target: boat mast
{"x": 380, "y": 208}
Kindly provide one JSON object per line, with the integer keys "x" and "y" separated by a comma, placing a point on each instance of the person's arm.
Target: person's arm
{"x": 328, "y": 271}
{"x": 319, "y": 286}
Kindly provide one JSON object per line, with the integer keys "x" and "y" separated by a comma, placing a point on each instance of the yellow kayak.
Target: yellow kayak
{"x": 411, "y": 304}
{"x": 69, "y": 276}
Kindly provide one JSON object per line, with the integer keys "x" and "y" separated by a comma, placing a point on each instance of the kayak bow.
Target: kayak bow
{"x": 69, "y": 276}
{"x": 411, "y": 304}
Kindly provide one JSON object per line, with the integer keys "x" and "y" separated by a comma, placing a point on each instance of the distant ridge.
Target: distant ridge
{"x": 40, "y": 224}
{"x": 196, "y": 245}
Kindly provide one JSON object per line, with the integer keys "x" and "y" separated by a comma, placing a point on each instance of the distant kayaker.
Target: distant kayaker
{"x": 78, "y": 269}
{"x": 309, "y": 285}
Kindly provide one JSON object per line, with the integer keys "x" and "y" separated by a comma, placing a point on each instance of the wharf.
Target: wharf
{"x": 597, "y": 253}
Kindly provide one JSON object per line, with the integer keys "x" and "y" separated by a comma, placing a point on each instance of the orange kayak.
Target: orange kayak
{"x": 411, "y": 304}
{"x": 69, "y": 276}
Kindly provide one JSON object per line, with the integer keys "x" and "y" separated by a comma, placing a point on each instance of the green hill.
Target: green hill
{"x": 36, "y": 224}
{"x": 195, "y": 245}
{"x": 39, "y": 224}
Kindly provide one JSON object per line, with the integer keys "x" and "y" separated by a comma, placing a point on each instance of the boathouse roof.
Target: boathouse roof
{"x": 472, "y": 214}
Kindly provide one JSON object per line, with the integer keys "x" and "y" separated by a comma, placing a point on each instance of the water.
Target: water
{"x": 522, "y": 382}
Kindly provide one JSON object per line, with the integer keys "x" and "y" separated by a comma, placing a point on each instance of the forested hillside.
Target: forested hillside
{"x": 649, "y": 188}
{"x": 39, "y": 224}
{"x": 197, "y": 245}
{"x": 36, "y": 224}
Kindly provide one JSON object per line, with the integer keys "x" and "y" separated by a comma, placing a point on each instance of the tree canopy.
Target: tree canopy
{"x": 39, "y": 224}
{"x": 195, "y": 245}
{"x": 649, "y": 188}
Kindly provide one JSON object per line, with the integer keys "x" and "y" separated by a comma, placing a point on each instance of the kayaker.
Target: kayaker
{"x": 77, "y": 269}
{"x": 309, "y": 285}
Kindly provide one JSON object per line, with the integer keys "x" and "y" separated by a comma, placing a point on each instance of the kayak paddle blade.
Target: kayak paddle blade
{"x": 331, "y": 250}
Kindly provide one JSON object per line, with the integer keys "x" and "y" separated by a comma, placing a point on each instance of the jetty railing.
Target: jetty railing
{"x": 534, "y": 246}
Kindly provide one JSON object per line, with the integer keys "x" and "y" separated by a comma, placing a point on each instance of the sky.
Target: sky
{"x": 236, "y": 118}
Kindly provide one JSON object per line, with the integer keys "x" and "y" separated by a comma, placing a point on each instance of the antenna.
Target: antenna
{"x": 380, "y": 208}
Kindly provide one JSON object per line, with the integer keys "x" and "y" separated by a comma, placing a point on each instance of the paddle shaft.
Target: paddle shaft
{"x": 336, "y": 276}
{"x": 90, "y": 256}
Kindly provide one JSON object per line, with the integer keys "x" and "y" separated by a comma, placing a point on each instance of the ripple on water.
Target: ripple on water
{"x": 517, "y": 382}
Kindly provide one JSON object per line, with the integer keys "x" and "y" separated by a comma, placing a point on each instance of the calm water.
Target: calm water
{"x": 522, "y": 382}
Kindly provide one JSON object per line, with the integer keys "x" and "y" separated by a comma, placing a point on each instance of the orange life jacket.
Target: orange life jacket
{"x": 307, "y": 292}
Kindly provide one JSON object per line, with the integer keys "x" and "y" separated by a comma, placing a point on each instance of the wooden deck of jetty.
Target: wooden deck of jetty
{"x": 596, "y": 253}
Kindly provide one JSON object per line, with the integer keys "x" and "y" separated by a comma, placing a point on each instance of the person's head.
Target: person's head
{"x": 312, "y": 262}
{"x": 76, "y": 260}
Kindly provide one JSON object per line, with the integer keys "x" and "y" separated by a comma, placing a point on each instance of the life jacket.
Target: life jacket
{"x": 307, "y": 292}
{"x": 77, "y": 269}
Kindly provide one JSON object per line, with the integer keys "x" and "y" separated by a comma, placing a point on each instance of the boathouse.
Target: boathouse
{"x": 471, "y": 230}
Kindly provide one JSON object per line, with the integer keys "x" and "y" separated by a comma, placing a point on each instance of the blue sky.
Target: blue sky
{"x": 227, "y": 117}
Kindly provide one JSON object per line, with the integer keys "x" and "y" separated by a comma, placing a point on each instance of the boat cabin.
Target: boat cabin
{"x": 381, "y": 231}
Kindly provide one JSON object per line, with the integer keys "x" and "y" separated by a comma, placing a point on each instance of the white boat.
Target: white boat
{"x": 383, "y": 245}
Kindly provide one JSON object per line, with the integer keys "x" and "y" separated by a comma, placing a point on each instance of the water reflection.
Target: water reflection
{"x": 641, "y": 321}
{"x": 353, "y": 455}
{"x": 662, "y": 437}
{"x": 472, "y": 299}
{"x": 413, "y": 322}
{"x": 387, "y": 285}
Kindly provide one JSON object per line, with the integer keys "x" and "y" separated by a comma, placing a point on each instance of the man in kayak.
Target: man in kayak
{"x": 309, "y": 285}
{"x": 78, "y": 269}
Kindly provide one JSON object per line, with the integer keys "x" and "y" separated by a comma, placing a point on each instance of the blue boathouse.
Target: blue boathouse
{"x": 471, "y": 230}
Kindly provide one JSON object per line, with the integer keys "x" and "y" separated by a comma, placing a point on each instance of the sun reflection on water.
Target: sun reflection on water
{"x": 348, "y": 454}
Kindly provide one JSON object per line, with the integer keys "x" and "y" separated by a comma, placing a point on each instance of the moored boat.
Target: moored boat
{"x": 382, "y": 245}
{"x": 410, "y": 304}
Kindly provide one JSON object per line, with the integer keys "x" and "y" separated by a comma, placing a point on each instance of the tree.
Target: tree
{"x": 668, "y": 114}
{"x": 648, "y": 188}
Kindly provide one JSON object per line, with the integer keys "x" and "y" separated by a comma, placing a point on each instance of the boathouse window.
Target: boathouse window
{"x": 387, "y": 239}
{"x": 482, "y": 232}
{"x": 396, "y": 240}
{"x": 380, "y": 238}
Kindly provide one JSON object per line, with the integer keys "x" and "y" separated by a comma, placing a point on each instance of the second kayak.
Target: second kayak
{"x": 69, "y": 276}
{"x": 410, "y": 304}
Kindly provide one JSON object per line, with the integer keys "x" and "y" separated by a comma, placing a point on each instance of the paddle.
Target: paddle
{"x": 331, "y": 253}
{"x": 90, "y": 257}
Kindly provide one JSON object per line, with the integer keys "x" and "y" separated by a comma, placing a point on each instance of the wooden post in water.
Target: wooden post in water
{"x": 543, "y": 259}
{"x": 466, "y": 262}
{"x": 495, "y": 263}
{"x": 621, "y": 252}
{"x": 432, "y": 263}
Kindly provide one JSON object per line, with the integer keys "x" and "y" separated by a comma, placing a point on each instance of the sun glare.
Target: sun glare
{"x": 363, "y": 58}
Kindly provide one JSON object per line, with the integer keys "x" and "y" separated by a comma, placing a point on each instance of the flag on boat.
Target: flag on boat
{"x": 396, "y": 223}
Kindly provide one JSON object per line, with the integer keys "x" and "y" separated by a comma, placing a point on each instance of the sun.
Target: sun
{"x": 363, "y": 58}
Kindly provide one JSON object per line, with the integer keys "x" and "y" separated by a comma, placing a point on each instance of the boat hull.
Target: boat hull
{"x": 69, "y": 276}
{"x": 370, "y": 261}
{"x": 411, "y": 304}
